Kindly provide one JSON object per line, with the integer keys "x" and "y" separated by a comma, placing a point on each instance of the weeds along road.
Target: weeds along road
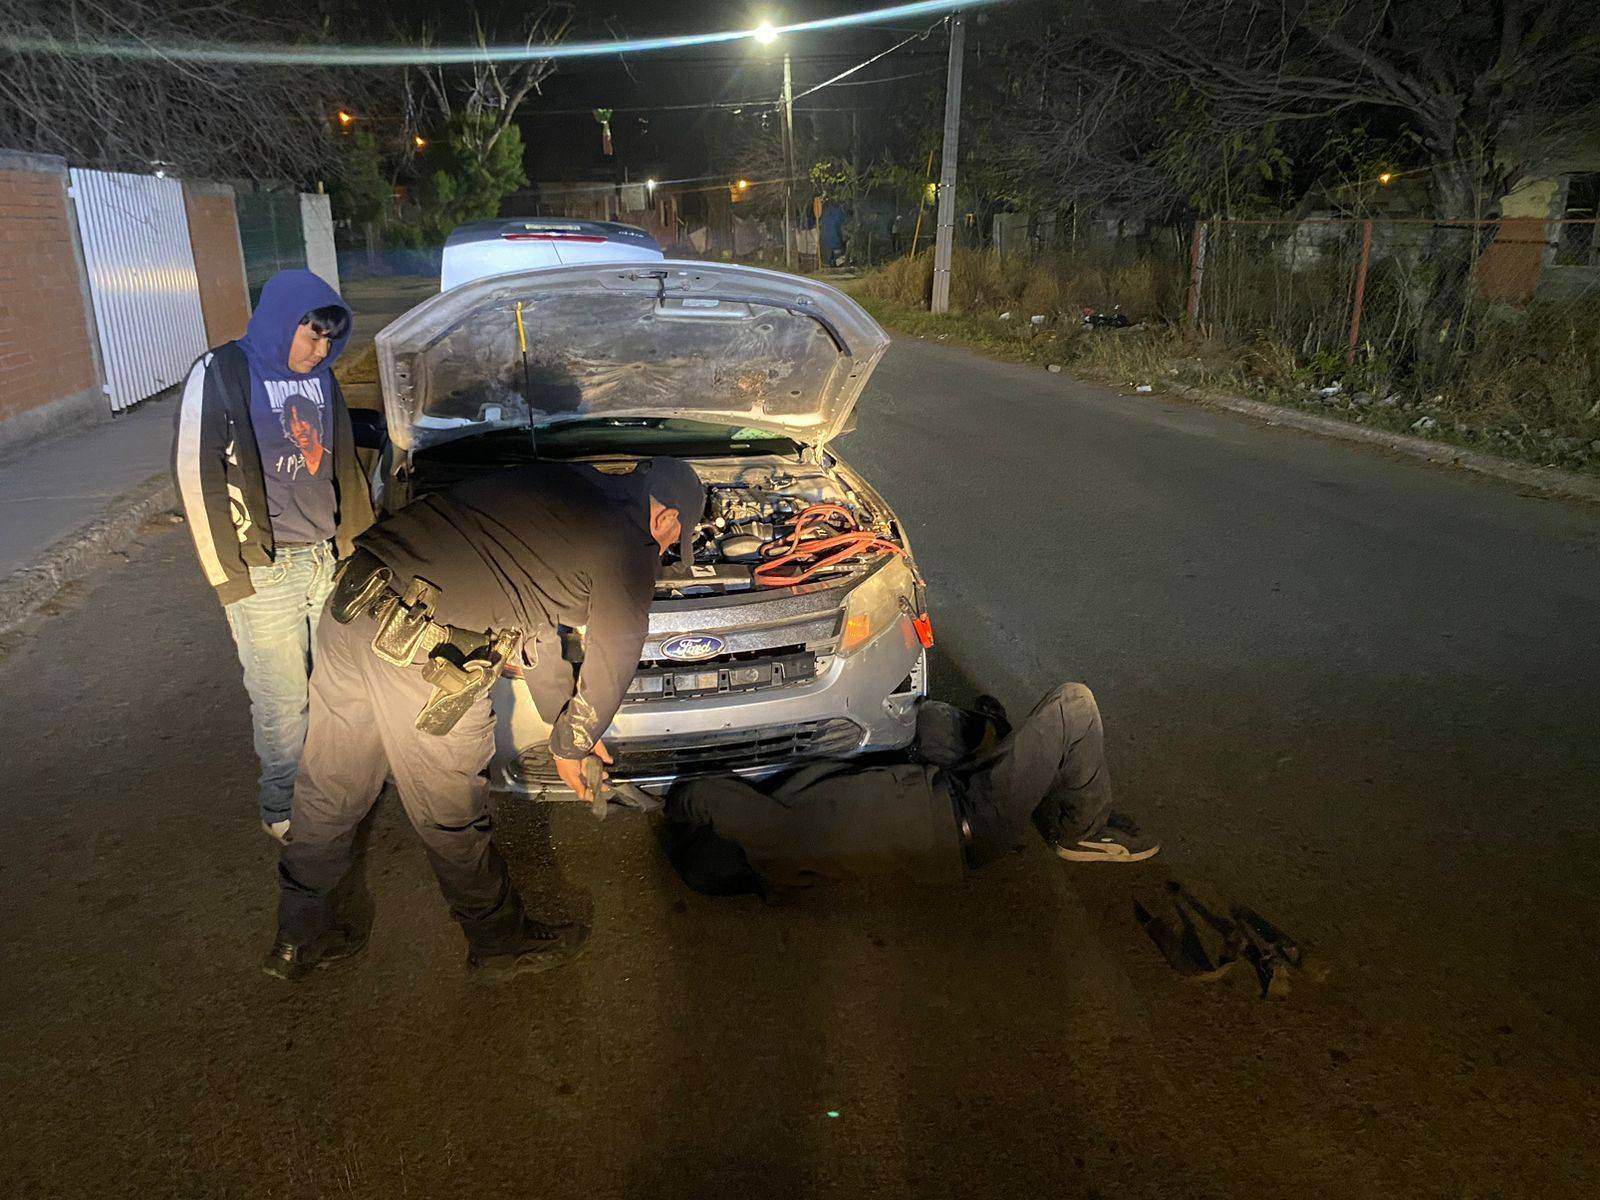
{"x": 1356, "y": 693}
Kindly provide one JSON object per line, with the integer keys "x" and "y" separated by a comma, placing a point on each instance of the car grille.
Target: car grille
{"x": 748, "y": 671}
{"x": 765, "y": 747}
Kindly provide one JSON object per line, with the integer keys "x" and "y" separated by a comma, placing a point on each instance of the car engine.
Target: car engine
{"x": 778, "y": 525}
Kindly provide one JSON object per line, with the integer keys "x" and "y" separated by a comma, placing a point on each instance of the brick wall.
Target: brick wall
{"x": 218, "y": 259}
{"x": 47, "y": 360}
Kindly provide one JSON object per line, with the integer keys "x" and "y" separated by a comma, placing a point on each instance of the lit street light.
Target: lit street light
{"x": 346, "y": 119}
{"x": 766, "y": 34}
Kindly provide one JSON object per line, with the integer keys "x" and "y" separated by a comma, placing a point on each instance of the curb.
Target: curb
{"x": 1546, "y": 479}
{"x": 28, "y": 589}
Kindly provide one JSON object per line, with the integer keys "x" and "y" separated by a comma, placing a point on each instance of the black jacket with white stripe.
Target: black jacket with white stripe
{"x": 217, "y": 468}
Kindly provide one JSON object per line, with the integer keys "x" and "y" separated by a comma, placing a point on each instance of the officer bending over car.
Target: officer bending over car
{"x": 434, "y": 605}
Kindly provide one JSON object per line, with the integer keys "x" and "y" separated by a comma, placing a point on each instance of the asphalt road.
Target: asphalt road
{"x": 1356, "y": 693}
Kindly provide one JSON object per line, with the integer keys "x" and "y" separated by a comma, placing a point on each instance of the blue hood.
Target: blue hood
{"x": 287, "y": 297}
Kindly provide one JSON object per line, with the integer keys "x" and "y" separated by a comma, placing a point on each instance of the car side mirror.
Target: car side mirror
{"x": 371, "y": 431}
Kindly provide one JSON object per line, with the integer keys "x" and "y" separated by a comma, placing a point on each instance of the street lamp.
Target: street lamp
{"x": 765, "y": 33}
{"x": 420, "y": 142}
{"x": 346, "y": 119}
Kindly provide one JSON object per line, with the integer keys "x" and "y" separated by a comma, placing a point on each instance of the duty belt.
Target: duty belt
{"x": 461, "y": 664}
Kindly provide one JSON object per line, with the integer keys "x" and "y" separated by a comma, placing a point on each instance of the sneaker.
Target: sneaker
{"x": 1118, "y": 840}
{"x": 291, "y": 961}
{"x": 543, "y": 947}
{"x": 277, "y": 829}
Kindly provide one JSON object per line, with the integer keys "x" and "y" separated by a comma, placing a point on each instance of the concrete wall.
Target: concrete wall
{"x": 218, "y": 259}
{"x": 316, "y": 216}
{"x": 49, "y": 372}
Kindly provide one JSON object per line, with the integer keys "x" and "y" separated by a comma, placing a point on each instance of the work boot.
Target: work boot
{"x": 1118, "y": 840}
{"x": 539, "y": 948}
{"x": 293, "y": 961}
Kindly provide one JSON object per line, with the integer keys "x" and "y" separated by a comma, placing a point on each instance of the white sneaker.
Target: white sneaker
{"x": 277, "y": 829}
{"x": 1119, "y": 840}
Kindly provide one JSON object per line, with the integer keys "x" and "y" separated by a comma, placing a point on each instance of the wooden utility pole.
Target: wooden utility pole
{"x": 1197, "y": 269}
{"x": 945, "y": 239}
{"x": 1361, "y": 292}
{"x": 788, "y": 165}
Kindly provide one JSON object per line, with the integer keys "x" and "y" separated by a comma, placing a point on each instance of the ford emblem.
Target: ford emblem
{"x": 692, "y": 647}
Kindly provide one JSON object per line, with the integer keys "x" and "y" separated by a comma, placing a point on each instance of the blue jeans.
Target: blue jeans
{"x": 275, "y": 630}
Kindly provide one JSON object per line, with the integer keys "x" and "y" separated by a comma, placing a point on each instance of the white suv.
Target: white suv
{"x": 501, "y": 246}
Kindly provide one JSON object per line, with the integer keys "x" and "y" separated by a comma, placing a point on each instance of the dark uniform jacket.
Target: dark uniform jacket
{"x": 535, "y": 548}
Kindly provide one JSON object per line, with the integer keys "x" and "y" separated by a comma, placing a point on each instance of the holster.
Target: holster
{"x": 459, "y": 679}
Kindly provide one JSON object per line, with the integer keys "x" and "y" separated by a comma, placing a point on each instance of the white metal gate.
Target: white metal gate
{"x": 146, "y": 295}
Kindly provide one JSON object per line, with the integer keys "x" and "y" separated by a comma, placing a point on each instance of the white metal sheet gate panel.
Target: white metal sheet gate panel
{"x": 142, "y": 280}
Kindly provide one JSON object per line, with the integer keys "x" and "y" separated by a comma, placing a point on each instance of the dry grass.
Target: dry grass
{"x": 1527, "y": 385}
{"x": 984, "y": 284}
{"x": 358, "y": 366}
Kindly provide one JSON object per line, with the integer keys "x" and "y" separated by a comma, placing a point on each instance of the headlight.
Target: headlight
{"x": 884, "y": 600}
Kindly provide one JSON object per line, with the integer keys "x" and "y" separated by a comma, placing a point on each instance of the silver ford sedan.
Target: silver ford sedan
{"x": 800, "y": 630}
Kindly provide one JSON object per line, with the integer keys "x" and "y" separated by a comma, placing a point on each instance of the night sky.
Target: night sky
{"x": 652, "y": 137}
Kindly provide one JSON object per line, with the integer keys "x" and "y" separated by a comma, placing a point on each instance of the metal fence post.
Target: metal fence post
{"x": 1361, "y": 291}
{"x": 1197, "y": 267}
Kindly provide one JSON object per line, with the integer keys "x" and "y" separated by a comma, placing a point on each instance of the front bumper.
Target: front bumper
{"x": 864, "y": 702}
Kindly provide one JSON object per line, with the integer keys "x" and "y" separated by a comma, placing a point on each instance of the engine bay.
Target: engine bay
{"x": 771, "y": 521}
{"x": 778, "y": 524}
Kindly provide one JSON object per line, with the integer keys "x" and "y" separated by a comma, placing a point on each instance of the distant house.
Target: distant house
{"x": 1547, "y": 245}
{"x": 655, "y": 209}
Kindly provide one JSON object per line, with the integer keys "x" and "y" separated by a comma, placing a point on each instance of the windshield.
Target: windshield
{"x": 657, "y": 435}
{"x": 677, "y": 436}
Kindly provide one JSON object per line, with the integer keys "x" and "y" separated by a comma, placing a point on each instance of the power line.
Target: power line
{"x": 583, "y": 112}
{"x": 863, "y": 65}
{"x": 738, "y": 104}
{"x": 335, "y": 55}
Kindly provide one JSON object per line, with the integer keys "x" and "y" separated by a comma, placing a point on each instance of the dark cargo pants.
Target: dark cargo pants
{"x": 845, "y": 820}
{"x": 1050, "y": 771}
{"x": 362, "y": 729}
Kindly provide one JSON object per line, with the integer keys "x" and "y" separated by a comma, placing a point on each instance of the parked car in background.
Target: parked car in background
{"x": 519, "y": 244}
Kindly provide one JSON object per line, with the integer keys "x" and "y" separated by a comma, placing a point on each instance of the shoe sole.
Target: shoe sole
{"x": 490, "y": 974}
{"x": 1120, "y": 855}
{"x": 290, "y": 975}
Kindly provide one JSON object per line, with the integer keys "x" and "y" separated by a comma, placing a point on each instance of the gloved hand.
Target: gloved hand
{"x": 571, "y": 770}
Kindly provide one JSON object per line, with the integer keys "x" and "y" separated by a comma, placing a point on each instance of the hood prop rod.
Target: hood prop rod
{"x": 527, "y": 373}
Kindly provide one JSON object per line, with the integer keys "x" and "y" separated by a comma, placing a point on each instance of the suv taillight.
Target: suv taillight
{"x": 595, "y": 239}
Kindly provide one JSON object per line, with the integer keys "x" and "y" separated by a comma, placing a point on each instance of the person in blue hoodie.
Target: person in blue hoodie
{"x": 266, "y": 470}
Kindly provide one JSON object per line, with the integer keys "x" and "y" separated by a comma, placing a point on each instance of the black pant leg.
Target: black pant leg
{"x": 443, "y": 785}
{"x": 342, "y": 769}
{"x": 1050, "y": 771}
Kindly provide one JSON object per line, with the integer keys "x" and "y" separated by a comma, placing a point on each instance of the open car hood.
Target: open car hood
{"x": 712, "y": 342}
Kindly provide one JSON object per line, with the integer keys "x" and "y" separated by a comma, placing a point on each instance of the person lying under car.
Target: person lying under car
{"x": 967, "y": 795}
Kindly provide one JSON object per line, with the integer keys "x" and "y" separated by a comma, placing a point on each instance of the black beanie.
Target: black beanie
{"x": 673, "y": 484}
